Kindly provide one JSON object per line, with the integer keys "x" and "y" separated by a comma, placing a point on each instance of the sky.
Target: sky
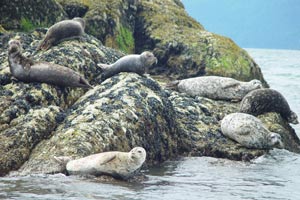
{"x": 269, "y": 24}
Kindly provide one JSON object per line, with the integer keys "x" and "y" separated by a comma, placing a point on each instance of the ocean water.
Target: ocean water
{"x": 274, "y": 176}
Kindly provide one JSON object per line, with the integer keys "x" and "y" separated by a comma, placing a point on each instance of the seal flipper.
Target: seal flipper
{"x": 172, "y": 84}
{"x": 62, "y": 160}
{"x": 84, "y": 83}
{"x": 229, "y": 85}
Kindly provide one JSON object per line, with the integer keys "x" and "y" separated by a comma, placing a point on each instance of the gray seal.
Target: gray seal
{"x": 63, "y": 30}
{"x": 267, "y": 100}
{"x": 129, "y": 63}
{"x": 114, "y": 163}
{"x": 249, "y": 131}
{"x": 215, "y": 87}
{"x": 27, "y": 70}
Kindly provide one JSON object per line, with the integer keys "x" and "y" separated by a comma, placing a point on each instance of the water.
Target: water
{"x": 273, "y": 176}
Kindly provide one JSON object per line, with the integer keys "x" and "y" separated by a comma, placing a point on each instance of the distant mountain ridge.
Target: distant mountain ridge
{"x": 251, "y": 24}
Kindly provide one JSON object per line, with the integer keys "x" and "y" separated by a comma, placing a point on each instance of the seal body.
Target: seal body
{"x": 115, "y": 163}
{"x": 267, "y": 100}
{"x": 130, "y": 63}
{"x": 66, "y": 29}
{"x": 249, "y": 131}
{"x": 27, "y": 70}
{"x": 215, "y": 87}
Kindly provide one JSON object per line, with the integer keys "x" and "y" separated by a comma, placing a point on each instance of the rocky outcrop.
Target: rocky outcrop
{"x": 124, "y": 111}
{"x": 38, "y": 121}
{"x": 199, "y": 119}
{"x": 27, "y": 106}
{"x": 184, "y": 48}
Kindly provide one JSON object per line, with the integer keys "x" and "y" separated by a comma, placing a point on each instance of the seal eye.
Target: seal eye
{"x": 139, "y": 151}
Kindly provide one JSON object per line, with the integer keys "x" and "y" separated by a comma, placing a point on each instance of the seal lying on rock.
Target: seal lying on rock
{"x": 267, "y": 100}
{"x": 249, "y": 131}
{"x": 215, "y": 87}
{"x": 27, "y": 70}
{"x": 130, "y": 63}
{"x": 66, "y": 29}
{"x": 117, "y": 164}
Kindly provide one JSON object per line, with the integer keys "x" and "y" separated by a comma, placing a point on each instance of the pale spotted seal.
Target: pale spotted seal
{"x": 215, "y": 87}
{"x": 63, "y": 30}
{"x": 267, "y": 100}
{"x": 115, "y": 163}
{"x": 27, "y": 70}
{"x": 129, "y": 63}
{"x": 249, "y": 131}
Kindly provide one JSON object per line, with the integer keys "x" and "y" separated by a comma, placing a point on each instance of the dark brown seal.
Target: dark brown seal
{"x": 265, "y": 100}
{"x": 130, "y": 63}
{"x": 27, "y": 70}
{"x": 63, "y": 30}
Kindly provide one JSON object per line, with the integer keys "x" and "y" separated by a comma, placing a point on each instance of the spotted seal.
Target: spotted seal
{"x": 27, "y": 70}
{"x": 215, "y": 87}
{"x": 63, "y": 30}
{"x": 115, "y": 163}
{"x": 267, "y": 100}
{"x": 129, "y": 63}
{"x": 249, "y": 131}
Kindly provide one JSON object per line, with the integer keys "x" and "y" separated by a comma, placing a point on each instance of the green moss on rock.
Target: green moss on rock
{"x": 184, "y": 48}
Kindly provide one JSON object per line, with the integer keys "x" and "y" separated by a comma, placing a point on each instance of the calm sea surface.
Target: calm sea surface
{"x": 274, "y": 176}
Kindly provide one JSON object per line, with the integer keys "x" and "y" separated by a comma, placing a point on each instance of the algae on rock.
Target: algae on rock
{"x": 184, "y": 48}
{"x": 123, "y": 112}
{"x": 20, "y": 14}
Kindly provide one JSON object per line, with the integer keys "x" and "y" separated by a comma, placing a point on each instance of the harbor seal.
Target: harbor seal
{"x": 27, "y": 70}
{"x": 267, "y": 100}
{"x": 121, "y": 165}
{"x": 130, "y": 63}
{"x": 63, "y": 30}
{"x": 215, "y": 87}
{"x": 249, "y": 131}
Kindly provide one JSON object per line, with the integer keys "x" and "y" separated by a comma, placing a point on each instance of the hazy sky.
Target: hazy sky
{"x": 251, "y": 23}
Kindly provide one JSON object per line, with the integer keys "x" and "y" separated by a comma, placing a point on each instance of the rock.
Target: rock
{"x": 25, "y": 15}
{"x": 184, "y": 49}
{"x": 20, "y": 103}
{"x": 199, "y": 118}
{"x": 124, "y": 111}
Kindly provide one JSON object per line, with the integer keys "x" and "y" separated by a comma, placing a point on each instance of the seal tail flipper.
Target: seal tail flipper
{"x": 84, "y": 83}
{"x": 172, "y": 84}
{"x": 62, "y": 160}
{"x": 103, "y": 66}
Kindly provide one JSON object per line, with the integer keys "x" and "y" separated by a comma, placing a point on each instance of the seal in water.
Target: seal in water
{"x": 130, "y": 63}
{"x": 27, "y": 70}
{"x": 215, "y": 87}
{"x": 63, "y": 30}
{"x": 115, "y": 163}
{"x": 267, "y": 100}
{"x": 249, "y": 131}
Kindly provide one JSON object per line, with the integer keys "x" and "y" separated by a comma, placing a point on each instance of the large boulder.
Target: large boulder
{"x": 184, "y": 48}
{"x": 198, "y": 121}
{"x": 124, "y": 111}
{"x": 31, "y": 111}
